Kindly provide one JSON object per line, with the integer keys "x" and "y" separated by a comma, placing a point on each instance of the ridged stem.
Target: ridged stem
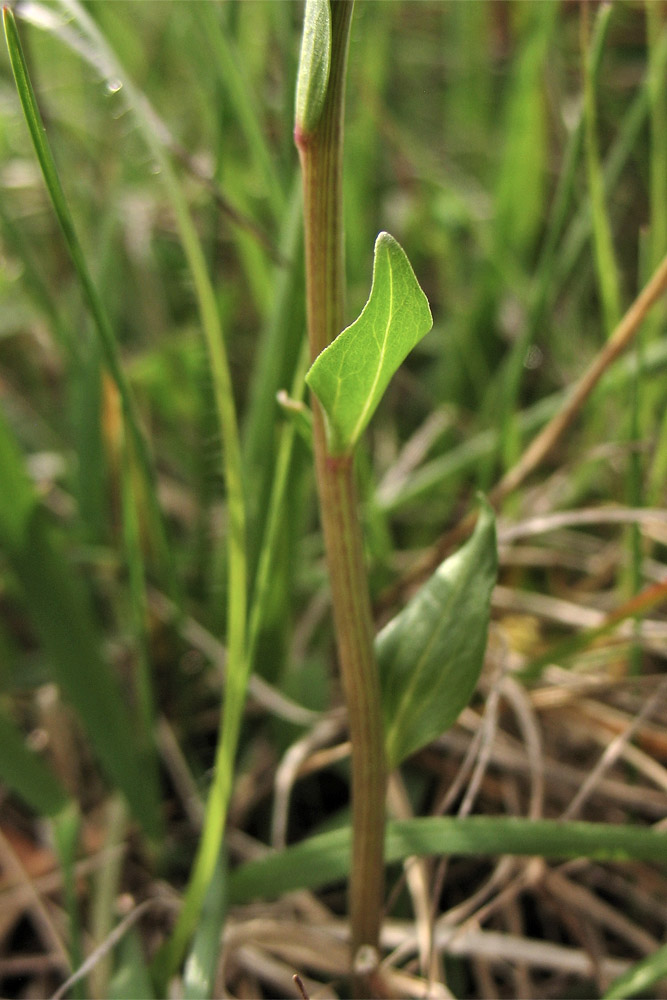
{"x": 321, "y": 161}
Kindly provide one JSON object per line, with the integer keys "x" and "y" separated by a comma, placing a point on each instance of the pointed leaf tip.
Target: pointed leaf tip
{"x": 350, "y": 376}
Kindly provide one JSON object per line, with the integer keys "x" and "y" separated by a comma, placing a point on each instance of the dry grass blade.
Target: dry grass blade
{"x": 30, "y": 901}
{"x": 614, "y": 750}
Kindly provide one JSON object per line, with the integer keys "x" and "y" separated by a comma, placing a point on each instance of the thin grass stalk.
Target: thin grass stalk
{"x": 543, "y": 282}
{"x": 106, "y": 888}
{"x": 320, "y": 153}
{"x": 66, "y": 832}
{"x": 275, "y": 517}
{"x": 579, "y": 231}
{"x": 277, "y": 360}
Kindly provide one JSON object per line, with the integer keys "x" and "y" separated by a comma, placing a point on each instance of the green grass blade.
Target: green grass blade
{"x": 640, "y": 978}
{"x": 18, "y": 500}
{"x": 656, "y": 83}
{"x": 202, "y": 961}
{"x": 106, "y": 885}
{"x": 59, "y": 608}
{"x": 522, "y": 174}
{"x": 277, "y": 355}
{"x": 555, "y": 269}
{"x": 26, "y": 774}
{"x": 78, "y": 257}
{"x": 543, "y": 285}
{"x": 605, "y": 259}
{"x": 131, "y": 977}
{"x": 275, "y": 516}
{"x": 66, "y": 830}
{"x": 244, "y": 105}
{"x": 324, "y": 859}
{"x": 168, "y": 958}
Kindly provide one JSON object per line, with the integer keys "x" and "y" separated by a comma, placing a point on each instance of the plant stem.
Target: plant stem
{"x": 321, "y": 161}
{"x": 354, "y": 638}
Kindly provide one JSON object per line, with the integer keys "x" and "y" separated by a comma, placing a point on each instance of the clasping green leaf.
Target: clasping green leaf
{"x": 430, "y": 655}
{"x": 350, "y": 376}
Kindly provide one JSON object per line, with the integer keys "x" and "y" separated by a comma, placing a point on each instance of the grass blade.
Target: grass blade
{"x": 640, "y": 978}
{"x": 66, "y": 829}
{"x": 202, "y": 961}
{"x": 245, "y": 105}
{"x": 170, "y": 956}
{"x": 25, "y": 773}
{"x": 605, "y": 259}
{"x": 60, "y": 610}
{"x": 324, "y": 859}
{"x": 61, "y": 613}
{"x": 78, "y": 257}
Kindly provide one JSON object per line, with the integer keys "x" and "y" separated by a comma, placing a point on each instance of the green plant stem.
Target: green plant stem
{"x": 321, "y": 162}
{"x": 354, "y": 637}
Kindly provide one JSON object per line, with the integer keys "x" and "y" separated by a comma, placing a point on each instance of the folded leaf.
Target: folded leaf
{"x": 350, "y": 376}
{"x": 430, "y": 655}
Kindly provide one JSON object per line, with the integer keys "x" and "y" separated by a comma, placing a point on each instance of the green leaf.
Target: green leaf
{"x": 431, "y": 654}
{"x": 641, "y": 977}
{"x": 100, "y": 316}
{"x": 324, "y": 859}
{"x": 26, "y": 773}
{"x": 60, "y": 610}
{"x": 18, "y": 498}
{"x": 350, "y": 376}
{"x": 314, "y": 63}
{"x": 131, "y": 977}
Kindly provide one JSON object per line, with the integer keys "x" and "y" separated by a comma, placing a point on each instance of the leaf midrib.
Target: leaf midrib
{"x": 358, "y": 427}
